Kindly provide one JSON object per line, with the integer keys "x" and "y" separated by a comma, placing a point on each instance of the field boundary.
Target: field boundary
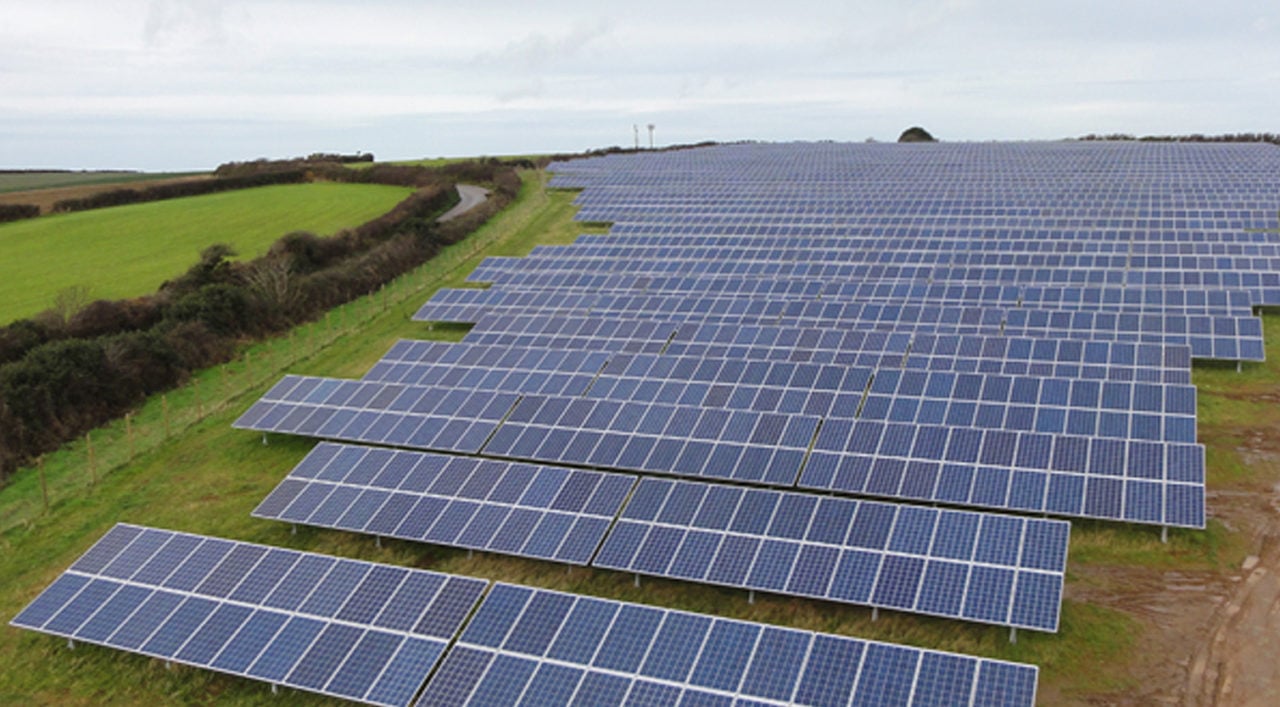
{"x": 75, "y": 468}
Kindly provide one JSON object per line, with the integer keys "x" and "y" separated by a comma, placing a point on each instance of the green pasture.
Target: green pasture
{"x": 127, "y": 251}
{"x": 204, "y": 477}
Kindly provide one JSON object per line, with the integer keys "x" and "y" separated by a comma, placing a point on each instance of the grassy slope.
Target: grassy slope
{"x": 210, "y": 477}
{"x": 128, "y": 251}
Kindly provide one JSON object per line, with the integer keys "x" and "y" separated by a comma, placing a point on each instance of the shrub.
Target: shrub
{"x": 222, "y": 307}
{"x": 18, "y": 212}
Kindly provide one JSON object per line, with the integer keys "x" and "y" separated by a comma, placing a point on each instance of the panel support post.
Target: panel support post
{"x": 637, "y": 580}
{"x": 275, "y": 689}
{"x": 377, "y": 541}
{"x": 71, "y": 645}
{"x": 264, "y": 439}
{"x": 1013, "y": 634}
{"x": 751, "y": 596}
{"x": 1239, "y": 366}
{"x": 293, "y": 529}
{"x": 470, "y": 553}
{"x": 1164, "y": 534}
{"x": 875, "y": 613}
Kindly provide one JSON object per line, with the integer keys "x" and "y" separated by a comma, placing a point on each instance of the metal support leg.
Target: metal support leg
{"x": 1013, "y": 634}
{"x": 1164, "y": 534}
{"x": 1239, "y": 366}
{"x": 637, "y": 580}
{"x": 470, "y": 553}
{"x": 875, "y": 614}
{"x": 751, "y": 596}
{"x": 264, "y": 439}
{"x": 71, "y": 645}
{"x": 293, "y": 529}
{"x": 377, "y": 540}
{"x": 275, "y": 689}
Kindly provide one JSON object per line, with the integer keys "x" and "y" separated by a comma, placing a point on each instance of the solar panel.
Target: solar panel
{"x": 544, "y": 512}
{"x": 975, "y": 566}
{"x": 535, "y": 646}
{"x": 350, "y": 629}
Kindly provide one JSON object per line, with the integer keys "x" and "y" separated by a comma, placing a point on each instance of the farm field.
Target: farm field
{"x": 129, "y": 251}
{"x": 29, "y": 181}
{"x": 1137, "y": 616}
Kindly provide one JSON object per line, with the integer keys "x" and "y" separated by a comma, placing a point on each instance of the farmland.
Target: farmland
{"x": 207, "y": 478}
{"x": 130, "y": 250}
{"x": 22, "y": 181}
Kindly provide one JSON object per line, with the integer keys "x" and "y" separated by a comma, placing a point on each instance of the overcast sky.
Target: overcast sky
{"x": 188, "y": 84}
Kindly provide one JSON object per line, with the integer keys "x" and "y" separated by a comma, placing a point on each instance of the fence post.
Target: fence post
{"x": 93, "y": 469}
{"x": 44, "y": 486}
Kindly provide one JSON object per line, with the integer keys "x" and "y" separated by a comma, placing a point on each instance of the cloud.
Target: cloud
{"x": 200, "y": 23}
{"x": 492, "y": 75}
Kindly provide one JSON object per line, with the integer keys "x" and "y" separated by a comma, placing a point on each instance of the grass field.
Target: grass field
{"x": 128, "y": 251}
{"x": 208, "y": 477}
{"x": 27, "y": 181}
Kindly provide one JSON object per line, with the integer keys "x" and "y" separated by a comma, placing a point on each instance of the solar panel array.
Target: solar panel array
{"x": 350, "y": 629}
{"x": 1004, "y": 327}
{"x": 375, "y": 633}
{"x": 544, "y": 512}
{"x": 534, "y": 646}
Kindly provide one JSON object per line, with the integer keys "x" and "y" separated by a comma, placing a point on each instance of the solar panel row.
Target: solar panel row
{"x": 534, "y": 646}
{"x": 979, "y": 567}
{"x": 1227, "y": 337}
{"x": 1061, "y": 358}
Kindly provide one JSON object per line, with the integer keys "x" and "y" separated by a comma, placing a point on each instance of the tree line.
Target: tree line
{"x": 1271, "y": 138}
{"x": 63, "y": 373}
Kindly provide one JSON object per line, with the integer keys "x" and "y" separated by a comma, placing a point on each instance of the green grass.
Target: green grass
{"x": 208, "y": 477}
{"x": 129, "y": 251}
{"x": 27, "y": 181}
